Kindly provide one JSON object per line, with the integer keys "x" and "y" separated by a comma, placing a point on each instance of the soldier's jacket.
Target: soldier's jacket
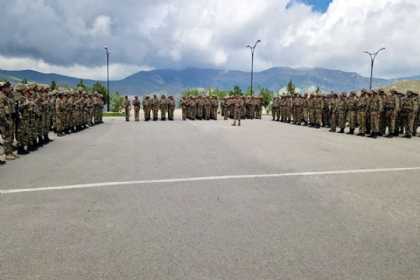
{"x": 146, "y": 104}
{"x": 126, "y": 104}
{"x": 375, "y": 104}
{"x": 171, "y": 104}
{"x": 136, "y": 104}
{"x": 318, "y": 103}
{"x": 214, "y": 103}
{"x": 363, "y": 104}
{"x": 352, "y": 104}
{"x": 155, "y": 103}
{"x": 333, "y": 105}
{"x": 163, "y": 105}
{"x": 391, "y": 103}
{"x": 341, "y": 105}
{"x": 276, "y": 103}
{"x": 4, "y": 110}
{"x": 409, "y": 105}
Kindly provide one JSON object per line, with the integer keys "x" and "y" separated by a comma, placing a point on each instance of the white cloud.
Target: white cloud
{"x": 202, "y": 33}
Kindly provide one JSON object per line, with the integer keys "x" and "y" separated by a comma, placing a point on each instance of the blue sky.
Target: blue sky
{"x": 318, "y": 5}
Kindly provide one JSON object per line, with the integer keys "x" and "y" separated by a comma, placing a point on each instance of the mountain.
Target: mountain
{"x": 175, "y": 81}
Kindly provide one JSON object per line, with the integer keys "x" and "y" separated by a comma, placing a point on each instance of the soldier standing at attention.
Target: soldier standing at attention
{"x": 342, "y": 111}
{"x": 275, "y": 108}
{"x": 352, "y": 110}
{"x": 375, "y": 109}
{"x": 171, "y": 108}
{"x": 184, "y": 108}
{"x": 163, "y": 107}
{"x": 6, "y": 115}
{"x": 60, "y": 114}
{"x": 238, "y": 104}
{"x": 333, "y": 112}
{"x": 155, "y": 107}
{"x": 214, "y": 107}
{"x": 136, "y": 105}
{"x": 4, "y": 121}
{"x": 362, "y": 107}
{"x": 391, "y": 108}
{"x": 147, "y": 108}
{"x": 127, "y": 108}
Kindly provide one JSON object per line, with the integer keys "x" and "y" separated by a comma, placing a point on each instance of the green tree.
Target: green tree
{"x": 116, "y": 102}
{"x": 217, "y": 92}
{"x": 318, "y": 90}
{"x": 267, "y": 96}
{"x": 81, "y": 84}
{"x": 236, "y": 91}
{"x": 191, "y": 92}
{"x": 99, "y": 88}
{"x": 291, "y": 88}
{"x": 53, "y": 85}
{"x": 25, "y": 81}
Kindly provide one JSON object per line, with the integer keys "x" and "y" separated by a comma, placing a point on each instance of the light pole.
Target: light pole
{"x": 107, "y": 77}
{"x": 372, "y": 62}
{"x": 252, "y": 48}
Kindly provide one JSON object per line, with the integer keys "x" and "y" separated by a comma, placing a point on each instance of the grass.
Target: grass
{"x": 113, "y": 114}
{"x": 403, "y": 86}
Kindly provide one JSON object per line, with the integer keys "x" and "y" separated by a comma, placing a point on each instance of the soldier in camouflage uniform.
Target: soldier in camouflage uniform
{"x": 238, "y": 104}
{"x": 60, "y": 108}
{"x": 375, "y": 109}
{"x": 362, "y": 109}
{"x": 342, "y": 112}
{"x": 352, "y": 111}
{"x": 147, "y": 108}
{"x": 155, "y": 104}
{"x": 163, "y": 106}
{"x": 275, "y": 108}
{"x": 171, "y": 108}
{"x": 409, "y": 107}
{"x": 127, "y": 108}
{"x": 333, "y": 109}
{"x": 391, "y": 109}
{"x": 206, "y": 108}
{"x": 214, "y": 107}
{"x": 7, "y": 115}
{"x": 184, "y": 107}
{"x": 136, "y": 105}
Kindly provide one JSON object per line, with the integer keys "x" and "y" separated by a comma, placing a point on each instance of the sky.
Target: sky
{"x": 68, "y": 37}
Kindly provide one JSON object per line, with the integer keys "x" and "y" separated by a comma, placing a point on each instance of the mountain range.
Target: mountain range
{"x": 170, "y": 81}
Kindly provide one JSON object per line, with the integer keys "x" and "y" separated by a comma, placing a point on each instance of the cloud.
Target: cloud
{"x": 69, "y": 36}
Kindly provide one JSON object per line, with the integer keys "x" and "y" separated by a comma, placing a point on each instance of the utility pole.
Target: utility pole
{"x": 372, "y": 63}
{"x": 252, "y": 48}
{"x": 107, "y": 77}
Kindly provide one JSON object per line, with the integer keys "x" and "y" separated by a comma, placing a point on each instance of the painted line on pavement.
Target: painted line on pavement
{"x": 210, "y": 178}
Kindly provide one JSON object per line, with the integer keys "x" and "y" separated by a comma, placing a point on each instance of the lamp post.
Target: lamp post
{"x": 252, "y": 48}
{"x": 372, "y": 62}
{"x": 107, "y": 77}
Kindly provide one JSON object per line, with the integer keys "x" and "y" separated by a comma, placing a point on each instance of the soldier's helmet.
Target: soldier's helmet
{"x": 393, "y": 91}
{"x": 411, "y": 93}
{"x": 381, "y": 91}
{"x": 20, "y": 87}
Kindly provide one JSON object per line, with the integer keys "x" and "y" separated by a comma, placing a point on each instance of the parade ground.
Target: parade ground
{"x": 206, "y": 200}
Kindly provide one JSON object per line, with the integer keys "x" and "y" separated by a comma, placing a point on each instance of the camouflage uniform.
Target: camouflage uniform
{"x": 352, "y": 111}
{"x": 155, "y": 104}
{"x": 214, "y": 107}
{"x": 409, "y": 107}
{"x": 136, "y": 105}
{"x": 375, "y": 109}
{"x": 333, "y": 109}
{"x": 127, "y": 108}
{"x": 391, "y": 109}
{"x": 342, "y": 112}
{"x": 275, "y": 109}
{"x": 147, "y": 107}
{"x": 362, "y": 108}
{"x": 163, "y": 105}
{"x": 171, "y": 108}
{"x": 238, "y": 104}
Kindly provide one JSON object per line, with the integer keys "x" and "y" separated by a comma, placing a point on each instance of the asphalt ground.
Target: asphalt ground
{"x": 205, "y": 200}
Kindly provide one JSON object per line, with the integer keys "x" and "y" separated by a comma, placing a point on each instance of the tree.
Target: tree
{"x": 99, "y": 88}
{"x": 53, "y": 85}
{"x": 24, "y": 81}
{"x": 217, "y": 92}
{"x": 81, "y": 84}
{"x": 236, "y": 91}
{"x": 291, "y": 88}
{"x": 116, "y": 102}
{"x": 267, "y": 96}
{"x": 318, "y": 90}
{"x": 192, "y": 92}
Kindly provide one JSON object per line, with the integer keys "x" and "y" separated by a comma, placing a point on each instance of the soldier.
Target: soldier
{"x": 155, "y": 103}
{"x": 136, "y": 105}
{"x": 200, "y": 108}
{"x": 147, "y": 107}
{"x": 214, "y": 107}
{"x": 391, "y": 108}
{"x": 325, "y": 111}
{"x": 317, "y": 104}
{"x": 409, "y": 107}
{"x": 127, "y": 108}
{"x": 163, "y": 105}
{"x": 225, "y": 107}
{"x": 342, "y": 112}
{"x": 333, "y": 109}
{"x": 7, "y": 111}
{"x": 60, "y": 113}
{"x": 238, "y": 104}
{"x": 21, "y": 125}
{"x": 382, "y": 120}
{"x": 184, "y": 107}
{"x": 171, "y": 108}
{"x": 375, "y": 109}
{"x": 192, "y": 107}
{"x": 275, "y": 108}
{"x": 352, "y": 111}
{"x": 362, "y": 108}
{"x": 206, "y": 107}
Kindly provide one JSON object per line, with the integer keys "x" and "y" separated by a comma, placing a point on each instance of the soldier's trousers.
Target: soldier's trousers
{"x": 342, "y": 120}
{"x": 237, "y": 115}
{"x": 127, "y": 114}
{"x": 155, "y": 114}
{"x": 163, "y": 114}
{"x": 207, "y": 113}
{"x": 352, "y": 119}
{"x": 407, "y": 122}
{"x": 374, "y": 122}
{"x": 8, "y": 136}
{"x": 390, "y": 119}
{"x": 184, "y": 113}
{"x": 382, "y": 123}
{"x": 227, "y": 113}
{"x": 317, "y": 116}
{"x": 274, "y": 113}
{"x": 362, "y": 122}
{"x": 333, "y": 121}
{"x": 147, "y": 114}
{"x": 136, "y": 115}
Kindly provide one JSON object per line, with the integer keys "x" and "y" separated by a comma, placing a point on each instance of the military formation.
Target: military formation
{"x": 199, "y": 107}
{"x": 29, "y": 112}
{"x": 152, "y": 106}
{"x": 372, "y": 112}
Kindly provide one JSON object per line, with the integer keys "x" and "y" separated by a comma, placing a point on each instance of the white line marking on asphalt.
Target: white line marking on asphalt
{"x": 210, "y": 178}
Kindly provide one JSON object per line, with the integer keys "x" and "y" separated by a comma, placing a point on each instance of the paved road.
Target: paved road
{"x": 344, "y": 224}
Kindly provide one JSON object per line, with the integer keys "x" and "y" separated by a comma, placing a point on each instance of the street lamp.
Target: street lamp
{"x": 252, "y": 48}
{"x": 372, "y": 62}
{"x": 107, "y": 77}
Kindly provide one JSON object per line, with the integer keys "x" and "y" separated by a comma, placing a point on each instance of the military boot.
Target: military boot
{"x": 351, "y": 132}
{"x": 341, "y": 130}
{"x": 21, "y": 150}
{"x": 2, "y": 162}
{"x": 373, "y": 135}
{"x": 11, "y": 157}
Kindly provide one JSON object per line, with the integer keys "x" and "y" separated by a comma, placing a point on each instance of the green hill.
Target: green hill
{"x": 405, "y": 85}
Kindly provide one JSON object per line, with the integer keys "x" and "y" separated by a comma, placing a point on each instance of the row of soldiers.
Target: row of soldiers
{"x": 151, "y": 107}
{"x": 28, "y": 112}
{"x": 250, "y": 107}
{"x": 373, "y": 112}
{"x": 199, "y": 107}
